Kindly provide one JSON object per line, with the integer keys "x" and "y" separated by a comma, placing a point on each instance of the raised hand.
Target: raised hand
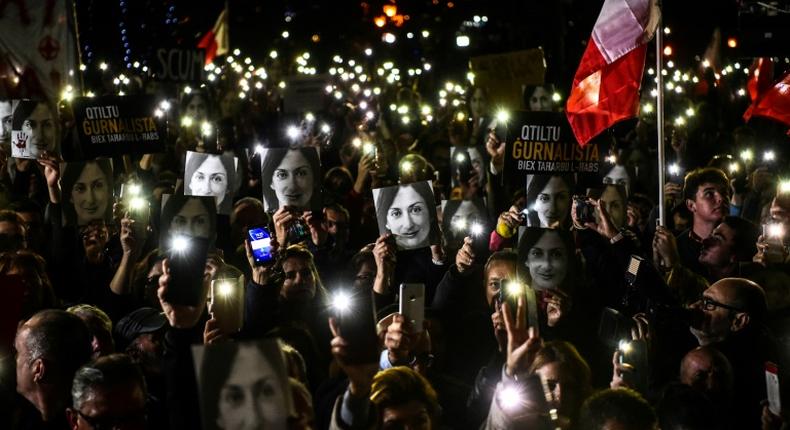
{"x": 465, "y": 256}
{"x": 180, "y": 316}
{"x": 523, "y": 342}
{"x": 360, "y": 376}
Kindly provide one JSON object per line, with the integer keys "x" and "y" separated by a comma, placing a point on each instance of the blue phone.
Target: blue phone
{"x": 261, "y": 244}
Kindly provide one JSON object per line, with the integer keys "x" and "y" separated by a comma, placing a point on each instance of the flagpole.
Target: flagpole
{"x": 660, "y": 120}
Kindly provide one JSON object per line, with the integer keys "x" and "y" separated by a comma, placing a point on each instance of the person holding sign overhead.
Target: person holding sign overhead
{"x": 290, "y": 178}
{"x": 35, "y": 129}
{"x": 408, "y": 212}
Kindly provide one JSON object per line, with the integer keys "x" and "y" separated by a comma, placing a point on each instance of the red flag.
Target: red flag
{"x": 769, "y": 99}
{"x": 215, "y": 41}
{"x": 606, "y": 85}
{"x": 774, "y": 103}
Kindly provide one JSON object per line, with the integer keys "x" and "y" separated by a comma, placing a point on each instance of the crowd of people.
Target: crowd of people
{"x": 552, "y": 301}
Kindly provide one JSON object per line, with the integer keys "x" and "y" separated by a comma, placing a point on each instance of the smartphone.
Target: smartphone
{"x": 634, "y": 352}
{"x": 412, "y": 304}
{"x": 260, "y": 239}
{"x": 226, "y": 302}
{"x": 357, "y": 325}
{"x": 509, "y": 294}
{"x": 633, "y": 269}
{"x": 772, "y": 387}
{"x": 187, "y": 259}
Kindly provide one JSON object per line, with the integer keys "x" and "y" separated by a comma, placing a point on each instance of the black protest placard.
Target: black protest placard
{"x": 179, "y": 65}
{"x": 115, "y": 125}
{"x": 543, "y": 143}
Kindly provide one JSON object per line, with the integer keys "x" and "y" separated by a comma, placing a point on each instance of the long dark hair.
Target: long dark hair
{"x": 270, "y": 162}
{"x": 70, "y": 173}
{"x": 215, "y": 367}
{"x": 387, "y": 195}
{"x": 173, "y": 206}
{"x": 536, "y": 184}
{"x": 531, "y": 236}
{"x": 196, "y": 159}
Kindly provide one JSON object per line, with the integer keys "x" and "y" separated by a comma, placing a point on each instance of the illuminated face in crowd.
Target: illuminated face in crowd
{"x": 614, "y": 205}
{"x": 192, "y": 220}
{"x": 91, "y": 194}
{"x": 40, "y": 129}
{"x": 210, "y": 179}
{"x": 553, "y": 203}
{"x": 251, "y": 397}
{"x": 547, "y": 261}
{"x": 197, "y": 108}
{"x": 293, "y": 180}
{"x": 478, "y": 103}
{"x": 408, "y": 219}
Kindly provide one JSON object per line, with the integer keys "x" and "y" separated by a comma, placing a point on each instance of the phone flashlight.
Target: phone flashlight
{"x": 206, "y": 129}
{"x": 406, "y": 166}
{"x": 225, "y": 288}
{"x": 357, "y": 142}
{"x": 187, "y": 121}
{"x": 309, "y": 117}
{"x": 612, "y": 159}
{"x": 134, "y": 189}
{"x": 292, "y": 132}
{"x": 503, "y": 116}
{"x": 459, "y": 224}
{"x": 674, "y": 169}
{"x": 137, "y": 203}
{"x": 341, "y": 302}
{"x": 325, "y": 128}
{"x": 460, "y": 117}
{"x": 179, "y": 244}
{"x": 625, "y": 347}
{"x": 734, "y": 167}
{"x": 774, "y": 230}
{"x": 784, "y": 186}
{"x": 460, "y": 157}
{"x": 513, "y": 288}
{"x": 747, "y": 155}
{"x": 511, "y": 398}
{"x": 259, "y": 149}
{"x": 769, "y": 156}
{"x": 476, "y": 229}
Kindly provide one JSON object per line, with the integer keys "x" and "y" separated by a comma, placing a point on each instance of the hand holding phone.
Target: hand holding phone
{"x": 187, "y": 262}
{"x": 355, "y": 316}
{"x": 260, "y": 239}
{"x": 226, "y": 303}
{"x": 412, "y": 304}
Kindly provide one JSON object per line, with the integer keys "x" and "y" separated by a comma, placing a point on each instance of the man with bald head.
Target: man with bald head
{"x": 50, "y": 347}
{"x": 707, "y": 370}
{"x": 733, "y": 313}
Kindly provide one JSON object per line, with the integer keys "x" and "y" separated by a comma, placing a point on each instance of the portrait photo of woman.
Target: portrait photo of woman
{"x": 87, "y": 188}
{"x": 34, "y": 129}
{"x": 546, "y": 258}
{"x": 291, "y": 177}
{"x": 211, "y": 175}
{"x": 408, "y": 212}
{"x": 187, "y": 215}
{"x": 619, "y": 174}
{"x": 458, "y": 217}
{"x": 468, "y": 162}
{"x": 243, "y": 385}
{"x": 548, "y": 200}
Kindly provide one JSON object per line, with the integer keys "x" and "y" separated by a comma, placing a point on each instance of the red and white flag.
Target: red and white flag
{"x": 769, "y": 99}
{"x": 38, "y": 53}
{"x": 216, "y": 41}
{"x": 606, "y": 85}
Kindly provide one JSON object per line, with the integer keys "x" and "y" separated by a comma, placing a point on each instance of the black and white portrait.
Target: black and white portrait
{"x": 34, "y": 129}
{"x": 211, "y": 175}
{"x": 87, "y": 188}
{"x": 546, "y": 258}
{"x": 461, "y": 218}
{"x": 187, "y": 215}
{"x": 243, "y": 385}
{"x": 468, "y": 166}
{"x": 409, "y": 213}
{"x": 548, "y": 200}
{"x": 291, "y": 177}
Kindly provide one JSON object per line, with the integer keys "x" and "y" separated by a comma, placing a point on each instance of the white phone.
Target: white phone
{"x": 412, "y": 304}
{"x": 772, "y": 388}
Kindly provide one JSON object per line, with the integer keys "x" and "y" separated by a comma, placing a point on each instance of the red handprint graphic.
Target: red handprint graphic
{"x": 21, "y": 141}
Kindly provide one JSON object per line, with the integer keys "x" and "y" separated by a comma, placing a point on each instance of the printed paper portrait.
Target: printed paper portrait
{"x": 243, "y": 385}
{"x": 194, "y": 216}
{"x": 87, "y": 191}
{"x": 34, "y": 130}
{"x": 212, "y": 175}
{"x": 291, "y": 177}
{"x": 468, "y": 164}
{"x": 461, "y": 218}
{"x": 546, "y": 258}
{"x": 549, "y": 200}
{"x": 409, "y": 213}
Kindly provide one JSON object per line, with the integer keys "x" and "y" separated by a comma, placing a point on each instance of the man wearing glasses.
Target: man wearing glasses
{"x": 733, "y": 313}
